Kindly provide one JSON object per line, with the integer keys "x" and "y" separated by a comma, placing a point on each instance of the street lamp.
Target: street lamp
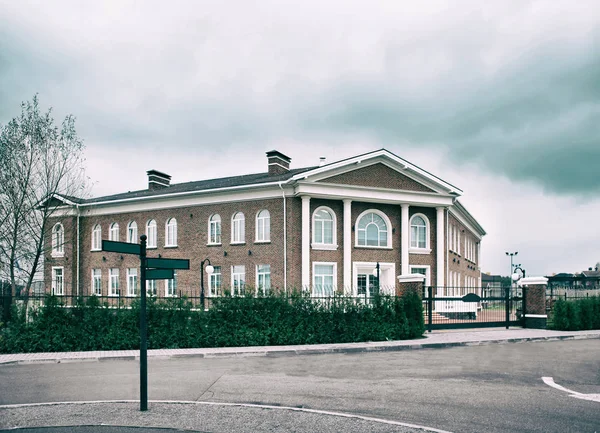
{"x": 511, "y": 260}
{"x": 376, "y": 274}
{"x": 209, "y": 270}
{"x": 517, "y": 276}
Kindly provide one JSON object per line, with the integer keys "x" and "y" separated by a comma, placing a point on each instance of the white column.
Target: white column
{"x": 405, "y": 238}
{"x": 348, "y": 289}
{"x": 440, "y": 246}
{"x": 305, "y": 242}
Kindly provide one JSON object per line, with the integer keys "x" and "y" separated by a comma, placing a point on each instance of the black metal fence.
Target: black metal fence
{"x": 465, "y": 307}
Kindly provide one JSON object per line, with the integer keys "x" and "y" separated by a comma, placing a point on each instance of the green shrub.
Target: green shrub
{"x": 274, "y": 319}
{"x": 575, "y": 315}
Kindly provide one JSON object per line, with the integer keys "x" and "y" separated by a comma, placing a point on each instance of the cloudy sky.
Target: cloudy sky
{"x": 500, "y": 98}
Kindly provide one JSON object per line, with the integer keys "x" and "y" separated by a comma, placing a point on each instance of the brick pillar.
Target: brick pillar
{"x": 410, "y": 283}
{"x": 534, "y": 291}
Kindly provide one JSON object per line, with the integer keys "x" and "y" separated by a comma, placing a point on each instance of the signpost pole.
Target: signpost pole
{"x": 143, "y": 329}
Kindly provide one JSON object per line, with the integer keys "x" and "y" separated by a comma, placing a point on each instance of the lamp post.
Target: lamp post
{"x": 515, "y": 276}
{"x": 511, "y": 260}
{"x": 209, "y": 270}
{"x": 376, "y": 274}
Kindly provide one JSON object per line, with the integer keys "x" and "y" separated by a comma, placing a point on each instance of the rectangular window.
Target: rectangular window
{"x": 214, "y": 282}
{"x": 97, "y": 282}
{"x": 171, "y": 285}
{"x": 366, "y": 285}
{"x": 113, "y": 282}
{"x": 97, "y": 239}
{"x": 238, "y": 280}
{"x": 132, "y": 281}
{"x": 263, "y": 279}
{"x": 132, "y": 233}
{"x": 58, "y": 283}
{"x": 215, "y": 231}
{"x": 324, "y": 279}
{"x": 423, "y": 270}
{"x": 151, "y": 287}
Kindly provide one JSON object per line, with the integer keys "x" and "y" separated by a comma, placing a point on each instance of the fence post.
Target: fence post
{"x": 507, "y": 306}
{"x": 429, "y": 308}
{"x": 524, "y": 307}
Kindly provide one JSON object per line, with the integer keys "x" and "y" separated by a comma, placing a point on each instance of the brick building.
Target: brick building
{"x": 323, "y": 228}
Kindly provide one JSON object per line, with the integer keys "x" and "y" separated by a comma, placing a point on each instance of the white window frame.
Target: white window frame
{"x": 214, "y": 229}
{"x": 427, "y": 268}
{"x": 240, "y": 277}
{"x": 314, "y": 276}
{"x": 171, "y": 286}
{"x": 171, "y": 233}
{"x": 152, "y": 287}
{"x": 58, "y": 240}
{"x": 97, "y": 238}
{"x": 259, "y": 273}
{"x": 113, "y": 276}
{"x": 388, "y": 224}
{"x": 58, "y": 283}
{"x": 214, "y": 289}
{"x": 132, "y": 232}
{"x": 241, "y": 224}
{"x": 420, "y": 250}
{"x": 154, "y": 238}
{"x": 319, "y": 244}
{"x": 263, "y": 222}
{"x": 132, "y": 281}
{"x": 387, "y": 276}
{"x": 97, "y": 291}
{"x": 113, "y": 232}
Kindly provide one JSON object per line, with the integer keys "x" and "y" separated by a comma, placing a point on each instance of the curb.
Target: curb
{"x": 310, "y": 350}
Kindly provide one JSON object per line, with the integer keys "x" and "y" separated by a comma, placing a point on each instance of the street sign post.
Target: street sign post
{"x": 150, "y": 269}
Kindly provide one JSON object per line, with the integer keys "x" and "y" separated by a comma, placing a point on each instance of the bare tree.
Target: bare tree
{"x": 40, "y": 162}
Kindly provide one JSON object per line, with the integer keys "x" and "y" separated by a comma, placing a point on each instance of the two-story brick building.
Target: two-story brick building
{"x": 322, "y": 228}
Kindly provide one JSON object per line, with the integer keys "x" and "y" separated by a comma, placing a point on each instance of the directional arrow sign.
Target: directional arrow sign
{"x": 121, "y": 247}
{"x": 168, "y": 263}
{"x": 160, "y": 274}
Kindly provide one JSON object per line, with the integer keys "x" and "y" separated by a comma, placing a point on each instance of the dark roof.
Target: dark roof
{"x": 594, "y": 273}
{"x": 201, "y": 185}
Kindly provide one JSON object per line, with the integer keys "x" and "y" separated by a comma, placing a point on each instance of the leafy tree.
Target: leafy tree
{"x": 40, "y": 161}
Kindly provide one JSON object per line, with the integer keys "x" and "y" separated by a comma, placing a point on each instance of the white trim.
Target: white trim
{"x": 93, "y": 288}
{"x": 99, "y": 246}
{"x": 323, "y": 246}
{"x": 370, "y": 194}
{"x": 414, "y": 278}
{"x": 404, "y": 237}
{"x": 423, "y": 250}
{"x": 387, "y": 273}
{"x": 53, "y": 276}
{"x": 278, "y": 164}
{"x": 220, "y": 229}
{"x": 533, "y": 281}
{"x": 129, "y": 229}
{"x": 268, "y": 290}
{"x": 242, "y": 286}
{"x": 118, "y": 279}
{"x": 334, "y": 285}
{"x": 132, "y": 291}
{"x": 305, "y": 222}
{"x": 457, "y": 212}
{"x": 427, "y": 273}
{"x": 388, "y": 224}
{"x": 114, "y": 232}
{"x": 347, "y": 260}
{"x": 170, "y": 245}
{"x": 155, "y": 244}
{"x": 537, "y": 316}
{"x": 440, "y": 235}
{"x": 58, "y": 248}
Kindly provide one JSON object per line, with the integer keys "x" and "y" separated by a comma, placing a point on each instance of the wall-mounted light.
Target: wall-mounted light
{"x": 249, "y": 252}
{"x": 121, "y": 257}
{"x": 454, "y": 259}
{"x": 103, "y": 258}
{"x": 159, "y": 256}
{"x": 191, "y": 215}
{"x": 352, "y": 228}
{"x": 224, "y": 253}
{"x": 393, "y": 229}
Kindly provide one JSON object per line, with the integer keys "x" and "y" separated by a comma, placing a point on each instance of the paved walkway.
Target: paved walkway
{"x": 437, "y": 339}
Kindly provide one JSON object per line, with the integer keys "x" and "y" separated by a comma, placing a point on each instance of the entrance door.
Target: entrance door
{"x": 366, "y": 285}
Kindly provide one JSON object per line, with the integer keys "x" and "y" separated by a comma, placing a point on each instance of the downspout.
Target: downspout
{"x": 447, "y": 252}
{"x": 78, "y": 254}
{"x": 284, "y": 240}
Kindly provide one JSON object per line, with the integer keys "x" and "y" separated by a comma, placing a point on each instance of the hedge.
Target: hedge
{"x": 231, "y": 322}
{"x": 576, "y": 315}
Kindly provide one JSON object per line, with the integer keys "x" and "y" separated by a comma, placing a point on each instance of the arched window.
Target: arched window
{"x": 97, "y": 238}
{"x": 132, "y": 232}
{"x": 151, "y": 233}
{"x": 238, "y": 228}
{"x": 372, "y": 230}
{"x": 324, "y": 228}
{"x": 214, "y": 229}
{"x": 58, "y": 240}
{"x": 263, "y": 226}
{"x": 113, "y": 232}
{"x": 419, "y": 232}
{"x": 171, "y": 233}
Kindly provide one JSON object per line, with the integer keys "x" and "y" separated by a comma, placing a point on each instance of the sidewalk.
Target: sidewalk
{"x": 435, "y": 340}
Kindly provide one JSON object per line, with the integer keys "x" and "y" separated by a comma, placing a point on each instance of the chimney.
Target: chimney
{"x": 278, "y": 163}
{"x": 158, "y": 180}
{"x": 322, "y": 160}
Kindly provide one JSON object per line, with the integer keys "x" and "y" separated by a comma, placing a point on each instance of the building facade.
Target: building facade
{"x": 323, "y": 228}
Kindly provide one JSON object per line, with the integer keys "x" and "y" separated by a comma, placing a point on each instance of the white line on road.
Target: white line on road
{"x": 591, "y": 397}
{"x": 258, "y": 406}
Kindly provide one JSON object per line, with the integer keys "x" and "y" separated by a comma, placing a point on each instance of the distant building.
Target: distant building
{"x": 322, "y": 228}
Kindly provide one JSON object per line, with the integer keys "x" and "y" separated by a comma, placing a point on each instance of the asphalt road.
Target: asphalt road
{"x": 494, "y": 388}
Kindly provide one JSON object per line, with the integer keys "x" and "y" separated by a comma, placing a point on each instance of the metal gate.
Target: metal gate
{"x": 472, "y": 310}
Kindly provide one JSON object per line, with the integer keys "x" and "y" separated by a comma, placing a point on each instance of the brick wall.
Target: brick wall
{"x": 457, "y": 262}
